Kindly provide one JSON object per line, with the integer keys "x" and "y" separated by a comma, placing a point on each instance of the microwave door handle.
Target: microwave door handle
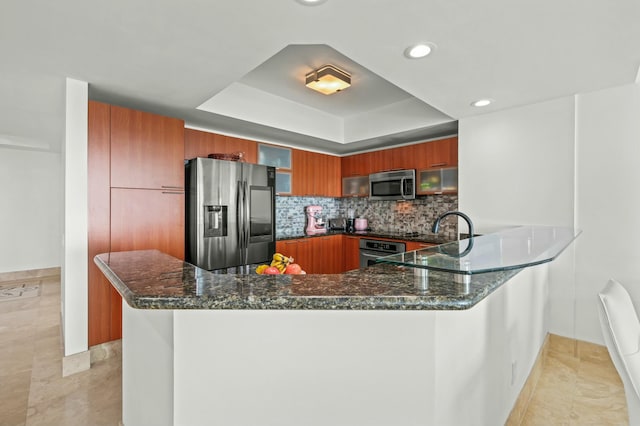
{"x": 402, "y": 194}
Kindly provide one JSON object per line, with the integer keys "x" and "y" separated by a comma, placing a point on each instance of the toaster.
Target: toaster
{"x": 337, "y": 224}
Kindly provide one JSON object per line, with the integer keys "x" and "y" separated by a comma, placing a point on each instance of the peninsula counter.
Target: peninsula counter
{"x": 377, "y": 346}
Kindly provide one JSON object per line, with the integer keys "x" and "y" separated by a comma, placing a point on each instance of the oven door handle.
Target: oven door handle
{"x": 368, "y": 258}
{"x": 373, "y": 254}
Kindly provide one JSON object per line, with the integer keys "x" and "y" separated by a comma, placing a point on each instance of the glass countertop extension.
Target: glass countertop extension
{"x": 512, "y": 248}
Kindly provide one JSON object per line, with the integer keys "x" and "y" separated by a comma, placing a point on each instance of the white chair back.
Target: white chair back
{"x": 621, "y": 330}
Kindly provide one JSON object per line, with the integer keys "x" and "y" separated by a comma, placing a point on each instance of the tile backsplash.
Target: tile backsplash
{"x": 291, "y": 216}
{"x": 383, "y": 216}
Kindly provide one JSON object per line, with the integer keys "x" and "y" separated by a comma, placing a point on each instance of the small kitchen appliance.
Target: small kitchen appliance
{"x": 351, "y": 221}
{"x": 337, "y": 224}
{"x": 315, "y": 223}
{"x": 393, "y": 185}
{"x": 351, "y": 225}
{"x": 361, "y": 224}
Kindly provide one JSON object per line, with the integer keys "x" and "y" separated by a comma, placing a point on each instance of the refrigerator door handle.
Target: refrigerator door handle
{"x": 240, "y": 213}
{"x": 247, "y": 213}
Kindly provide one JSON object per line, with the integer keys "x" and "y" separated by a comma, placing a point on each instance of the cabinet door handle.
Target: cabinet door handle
{"x": 173, "y": 192}
{"x": 438, "y": 164}
{"x": 172, "y": 187}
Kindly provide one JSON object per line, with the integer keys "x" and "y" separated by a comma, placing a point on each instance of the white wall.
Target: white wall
{"x": 608, "y": 128}
{"x": 517, "y": 168}
{"x": 30, "y": 215}
{"x": 574, "y": 162}
{"x": 74, "y": 265}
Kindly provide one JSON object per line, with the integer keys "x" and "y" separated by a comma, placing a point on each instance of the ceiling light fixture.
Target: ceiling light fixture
{"x": 482, "y": 102}
{"x": 418, "y": 51}
{"x": 328, "y": 80}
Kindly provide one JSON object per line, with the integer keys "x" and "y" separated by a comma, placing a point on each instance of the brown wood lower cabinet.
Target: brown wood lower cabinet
{"x": 316, "y": 255}
{"x": 413, "y": 245}
{"x": 351, "y": 250}
{"x": 299, "y": 249}
{"x": 327, "y": 255}
{"x": 331, "y": 254}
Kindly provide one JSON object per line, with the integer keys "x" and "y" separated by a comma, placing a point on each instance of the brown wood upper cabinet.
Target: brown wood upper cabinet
{"x": 403, "y": 157}
{"x": 302, "y": 183}
{"x": 315, "y": 174}
{"x": 356, "y": 165}
{"x": 434, "y": 154}
{"x": 146, "y": 150}
{"x": 200, "y": 144}
{"x": 437, "y": 154}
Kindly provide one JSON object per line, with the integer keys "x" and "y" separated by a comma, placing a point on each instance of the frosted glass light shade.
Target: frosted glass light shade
{"x": 328, "y": 80}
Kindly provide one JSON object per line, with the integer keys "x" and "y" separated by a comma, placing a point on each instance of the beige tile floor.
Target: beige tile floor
{"x": 577, "y": 385}
{"x": 32, "y": 389}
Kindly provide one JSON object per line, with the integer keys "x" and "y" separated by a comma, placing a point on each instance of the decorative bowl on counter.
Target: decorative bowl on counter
{"x": 236, "y": 156}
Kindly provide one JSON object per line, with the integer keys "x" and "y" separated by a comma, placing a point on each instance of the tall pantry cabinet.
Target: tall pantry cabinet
{"x": 136, "y": 198}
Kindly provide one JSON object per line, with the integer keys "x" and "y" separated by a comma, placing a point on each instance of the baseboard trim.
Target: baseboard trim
{"x": 76, "y": 363}
{"x": 522, "y": 403}
{"x": 106, "y": 350}
{"x": 30, "y": 274}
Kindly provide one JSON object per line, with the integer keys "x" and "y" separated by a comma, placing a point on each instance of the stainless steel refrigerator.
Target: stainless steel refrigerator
{"x": 230, "y": 213}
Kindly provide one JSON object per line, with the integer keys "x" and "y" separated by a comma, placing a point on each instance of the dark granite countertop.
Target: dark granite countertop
{"x": 419, "y": 238}
{"x": 150, "y": 279}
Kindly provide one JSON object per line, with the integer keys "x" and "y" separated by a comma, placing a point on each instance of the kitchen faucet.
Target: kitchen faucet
{"x": 436, "y": 224}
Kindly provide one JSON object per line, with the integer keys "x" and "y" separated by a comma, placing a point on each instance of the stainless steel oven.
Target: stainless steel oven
{"x": 370, "y": 250}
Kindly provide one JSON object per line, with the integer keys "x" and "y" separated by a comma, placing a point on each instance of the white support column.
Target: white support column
{"x": 74, "y": 261}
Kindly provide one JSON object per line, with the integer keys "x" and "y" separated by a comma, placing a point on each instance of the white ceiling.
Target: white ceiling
{"x": 244, "y": 61}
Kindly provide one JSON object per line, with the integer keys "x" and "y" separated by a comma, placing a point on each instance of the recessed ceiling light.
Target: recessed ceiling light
{"x": 311, "y": 2}
{"x": 482, "y": 102}
{"x": 418, "y": 51}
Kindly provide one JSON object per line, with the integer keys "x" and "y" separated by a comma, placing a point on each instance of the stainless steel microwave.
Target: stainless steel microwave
{"x": 394, "y": 185}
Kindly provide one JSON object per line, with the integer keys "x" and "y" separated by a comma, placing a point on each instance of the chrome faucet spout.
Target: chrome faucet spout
{"x": 436, "y": 224}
